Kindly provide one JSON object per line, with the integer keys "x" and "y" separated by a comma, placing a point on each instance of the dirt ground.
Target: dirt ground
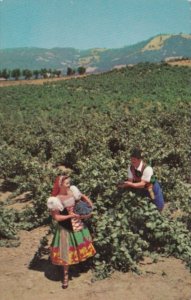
{"x": 181, "y": 63}
{"x": 168, "y": 279}
{"x": 41, "y": 81}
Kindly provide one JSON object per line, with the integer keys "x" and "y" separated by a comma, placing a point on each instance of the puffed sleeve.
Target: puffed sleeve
{"x": 76, "y": 192}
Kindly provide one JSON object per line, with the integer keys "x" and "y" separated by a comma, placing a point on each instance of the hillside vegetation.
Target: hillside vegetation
{"x": 89, "y": 125}
{"x": 156, "y": 49}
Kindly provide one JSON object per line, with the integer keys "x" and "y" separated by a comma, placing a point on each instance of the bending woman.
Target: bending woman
{"x": 140, "y": 176}
{"x": 72, "y": 242}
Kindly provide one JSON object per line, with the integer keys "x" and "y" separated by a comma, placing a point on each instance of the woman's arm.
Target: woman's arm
{"x": 136, "y": 185}
{"x": 58, "y": 217}
{"x": 87, "y": 200}
{"x": 84, "y": 217}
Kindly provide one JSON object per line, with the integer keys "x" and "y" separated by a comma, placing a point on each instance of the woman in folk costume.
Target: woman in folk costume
{"x": 140, "y": 176}
{"x": 72, "y": 242}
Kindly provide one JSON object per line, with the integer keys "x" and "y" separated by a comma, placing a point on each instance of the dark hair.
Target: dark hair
{"x": 136, "y": 152}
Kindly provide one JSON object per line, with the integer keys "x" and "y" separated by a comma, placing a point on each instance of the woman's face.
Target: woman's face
{"x": 135, "y": 162}
{"x": 66, "y": 183}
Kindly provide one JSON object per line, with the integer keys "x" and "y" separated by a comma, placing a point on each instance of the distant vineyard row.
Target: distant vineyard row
{"x": 36, "y": 74}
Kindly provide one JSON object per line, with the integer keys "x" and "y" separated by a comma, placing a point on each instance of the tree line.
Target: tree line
{"x": 36, "y": 74}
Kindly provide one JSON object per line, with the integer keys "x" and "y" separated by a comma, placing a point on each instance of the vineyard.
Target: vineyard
{"x": 89, "y": 125}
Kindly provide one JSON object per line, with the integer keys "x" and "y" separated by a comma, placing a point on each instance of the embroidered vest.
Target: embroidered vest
{"x": 67, "y": 224}
{"x": 73, "y": 224}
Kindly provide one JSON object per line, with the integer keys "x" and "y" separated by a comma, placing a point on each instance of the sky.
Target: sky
{"x": 86, "y": 24}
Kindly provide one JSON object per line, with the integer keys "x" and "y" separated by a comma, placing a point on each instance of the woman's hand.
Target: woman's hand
{"x": 120, "y": 185}
{"x": 83, "y": 217}
{"x": 58, "y": 217}
{"x": 75, "y": 216}
{"x": 125, "y": 184}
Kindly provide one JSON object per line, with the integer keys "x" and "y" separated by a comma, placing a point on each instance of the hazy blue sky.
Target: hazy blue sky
{"x": 85, "y": 24}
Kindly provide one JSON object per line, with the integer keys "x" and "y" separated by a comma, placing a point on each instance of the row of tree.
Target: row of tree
{"x": 36, "y": 74}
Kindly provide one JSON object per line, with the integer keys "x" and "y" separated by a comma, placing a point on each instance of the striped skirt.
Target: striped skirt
{"x": 69, "y": 248}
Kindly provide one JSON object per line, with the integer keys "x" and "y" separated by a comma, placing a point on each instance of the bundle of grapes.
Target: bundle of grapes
{"x": 81, "y": 207}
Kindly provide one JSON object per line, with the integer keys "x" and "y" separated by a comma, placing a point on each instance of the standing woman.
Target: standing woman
{"x": 72, "y": 242}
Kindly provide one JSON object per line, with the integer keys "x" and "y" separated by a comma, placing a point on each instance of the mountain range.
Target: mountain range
{"x": 156, "y": 49}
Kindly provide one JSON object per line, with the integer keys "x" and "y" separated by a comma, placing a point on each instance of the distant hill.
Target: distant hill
{"x": 156, "y": 49}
